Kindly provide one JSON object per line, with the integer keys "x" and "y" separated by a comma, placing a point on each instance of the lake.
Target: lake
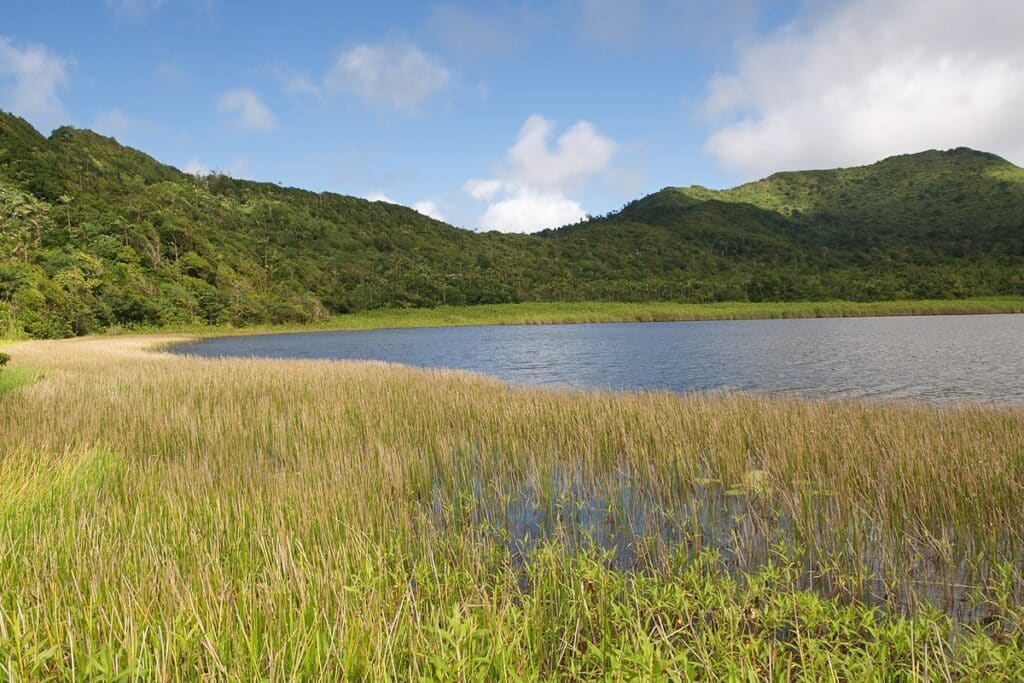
{"x": 928, "y": 358}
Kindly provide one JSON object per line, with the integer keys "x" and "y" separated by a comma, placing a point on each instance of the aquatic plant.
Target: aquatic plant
{"x": 164, "y": 517}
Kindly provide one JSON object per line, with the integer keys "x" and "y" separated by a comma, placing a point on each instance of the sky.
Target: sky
{"x": 518, "y": 116}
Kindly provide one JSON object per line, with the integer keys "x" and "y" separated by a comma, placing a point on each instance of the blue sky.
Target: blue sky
{"x": 519, "y": 116}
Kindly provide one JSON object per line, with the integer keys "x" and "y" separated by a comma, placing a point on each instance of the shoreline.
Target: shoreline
{"x": 560, "y": 313}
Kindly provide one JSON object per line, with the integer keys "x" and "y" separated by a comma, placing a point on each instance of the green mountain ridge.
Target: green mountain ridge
{"x": 94, "y": 234}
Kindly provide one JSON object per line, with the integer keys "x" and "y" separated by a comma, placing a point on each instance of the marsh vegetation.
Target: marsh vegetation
{"x": 554, "y": 312}
{"x": 167, "y": 517}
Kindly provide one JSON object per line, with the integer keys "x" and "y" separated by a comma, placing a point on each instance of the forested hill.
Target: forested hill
{"x": 94, "y": 234}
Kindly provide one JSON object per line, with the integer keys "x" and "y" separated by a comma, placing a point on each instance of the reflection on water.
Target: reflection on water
{"x": 743, "y": 528}
{"x": 928, "y": 358}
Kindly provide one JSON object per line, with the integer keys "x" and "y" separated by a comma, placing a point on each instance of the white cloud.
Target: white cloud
{"x": 296, "y": 82}
{"x": 236, "y": 168}
{"x": 531, "y": 185}
{"x": 872, "y": 78}
{"x": 248, "y": 110}
{"x": 579, "y": 153}
{"x": 428, "y": 207}
{"x": 30, "y": 77}
{"x": 196, "y": 168}
{"x": 527, "y": 210}
{"x": 485, "y": 190}
{"x": 239, "y": 168}
{"x": 398, "y": 75}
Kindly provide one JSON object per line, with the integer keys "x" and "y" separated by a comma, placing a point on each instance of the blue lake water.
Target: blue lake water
{"x": 928, "y": 358}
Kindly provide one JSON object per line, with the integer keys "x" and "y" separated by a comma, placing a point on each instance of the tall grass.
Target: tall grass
{"x": 653, "y": 311}
{"x": 175, "y": 518}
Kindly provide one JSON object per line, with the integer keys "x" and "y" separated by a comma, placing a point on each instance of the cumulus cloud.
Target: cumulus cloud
{"x": 531, "y": 185}
{"x": 247, "y": 110}
{"x": 379, "y": 197}
{"x": 196, "y": 168}
{"x": 30, "y": 77}
{"x": 485, "y": 190}
{"x": 579, "y": 153}
{"x": 872, "y": 78}
{"x": 296, "y": 82}
{"x": 526, "y": 210}
{"x": 238, "y": 168}
{"x": 398, "y": 75}
{"x": 428, "y": 207}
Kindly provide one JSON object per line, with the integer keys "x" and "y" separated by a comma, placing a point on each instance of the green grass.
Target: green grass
{"x": 605, "y": 312}
{"x": 12, "y": 378}
{"x": 170, "y": 518}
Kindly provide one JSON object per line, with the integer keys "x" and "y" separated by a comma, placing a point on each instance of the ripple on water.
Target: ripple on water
{"x": 938, "y": 359}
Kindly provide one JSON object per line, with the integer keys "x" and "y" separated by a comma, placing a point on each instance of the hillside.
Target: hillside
{"x": 939, "y": 224}
{"x": 956, "y": 203}
{"x": 94, "y": 235}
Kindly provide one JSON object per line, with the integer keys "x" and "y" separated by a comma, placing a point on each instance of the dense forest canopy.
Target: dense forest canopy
{"x": 95, "y": 235}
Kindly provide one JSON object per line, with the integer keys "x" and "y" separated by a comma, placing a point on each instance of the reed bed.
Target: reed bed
{"x": 173, "y": 518}
{"x": 557, "y": 312}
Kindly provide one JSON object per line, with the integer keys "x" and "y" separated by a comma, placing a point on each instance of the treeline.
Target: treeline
{"x": 94, "y": 235}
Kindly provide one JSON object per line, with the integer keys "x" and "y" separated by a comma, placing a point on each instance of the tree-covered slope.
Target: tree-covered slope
{"x": 942, "y": 224}
{"x": 94, "y": 234}
{"x": 954, "y": 202}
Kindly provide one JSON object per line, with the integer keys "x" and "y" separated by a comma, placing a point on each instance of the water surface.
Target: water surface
{"x": 927, "y": 358}
{"x": 637, "y": 525}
